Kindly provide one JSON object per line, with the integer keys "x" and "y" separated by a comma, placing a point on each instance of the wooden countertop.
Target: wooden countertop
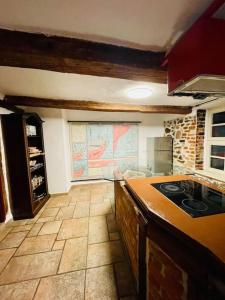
{"x": 209, "y": 231}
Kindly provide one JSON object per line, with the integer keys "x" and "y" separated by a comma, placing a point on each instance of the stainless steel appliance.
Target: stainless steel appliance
{"x": 160, "y": 155}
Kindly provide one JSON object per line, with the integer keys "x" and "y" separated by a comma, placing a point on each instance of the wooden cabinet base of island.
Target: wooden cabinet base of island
{"x": 132, "y": 225}
{"x": 166, "y": 264}
{"x": 180, "y": 270}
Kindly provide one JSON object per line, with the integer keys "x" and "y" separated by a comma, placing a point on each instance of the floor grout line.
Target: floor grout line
{"x": 35, "y": 292}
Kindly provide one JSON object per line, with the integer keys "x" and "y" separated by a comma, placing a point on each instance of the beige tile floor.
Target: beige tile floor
{"x": 70, "y": 250}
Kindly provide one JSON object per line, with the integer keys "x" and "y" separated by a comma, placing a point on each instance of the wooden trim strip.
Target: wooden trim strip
{"x": 96, "y": 106}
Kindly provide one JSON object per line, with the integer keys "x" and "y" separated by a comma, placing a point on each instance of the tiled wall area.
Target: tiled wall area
{"x": 188, "y": 140}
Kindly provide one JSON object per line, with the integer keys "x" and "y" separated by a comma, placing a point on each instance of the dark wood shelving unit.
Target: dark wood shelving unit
{"x": 26, "y": 197}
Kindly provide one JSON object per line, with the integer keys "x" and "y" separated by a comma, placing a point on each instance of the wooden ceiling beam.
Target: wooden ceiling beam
{"x": 95, "y": 106}
{"x": 10, "y": 107}
{"x": 70, "y": 55}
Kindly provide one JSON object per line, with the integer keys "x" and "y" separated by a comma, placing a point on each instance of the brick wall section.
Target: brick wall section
{"x": 166, "y": 281}
{"x": 188, "y": 141}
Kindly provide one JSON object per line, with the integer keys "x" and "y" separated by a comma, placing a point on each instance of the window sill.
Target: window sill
{"x": 212, "y": 175}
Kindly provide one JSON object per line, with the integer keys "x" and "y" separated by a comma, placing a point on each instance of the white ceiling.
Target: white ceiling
{"x": 146, "y": 24}
{"x": 55, "y": 85}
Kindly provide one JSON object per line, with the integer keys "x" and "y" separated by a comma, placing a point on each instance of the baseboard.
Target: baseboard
{"x": 75, "y": 184}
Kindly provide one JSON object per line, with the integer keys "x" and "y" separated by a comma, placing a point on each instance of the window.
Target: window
{"x": 97, "y": 149}
{"x": 215, "y": 142}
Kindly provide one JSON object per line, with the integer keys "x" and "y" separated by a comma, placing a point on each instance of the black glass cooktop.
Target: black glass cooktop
{"x": 194, "y": 198}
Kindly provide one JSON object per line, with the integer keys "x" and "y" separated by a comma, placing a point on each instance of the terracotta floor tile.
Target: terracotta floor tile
{"x": 65, "y": 213}
{"x": 33, "y": 266}
{"x": 58, "y": 245}
{"x": 73, "y": 200}
{"x": 35, "y": 229}
{"x": 74, "y": 192}
{"x": 13, "y": 240}
{"x": 74, "y": 255}
{"x": 36, "y": 244}
{"x": 81, "y": 210}
{"x": 33, "y": 220}
{"x": 84, "y": 196}
{"x": 50, "y": 227}
{"x": 50, "y": 212}
{"x": 5, "y": 256}
{"x": 19, "y": 291}
{"x": 4, "y": 231}
{"x": 96, "y": 198}
{"x": 125, "y": 281}
{"x": 73, "y": 228}
{"x": 98, "y": 231}
{"x": 100, "y": 284}
{"x": 58, "y": 201}
{"x": 97, "y": 209}
{"x": 45, "y": 219}
{"x": 68, "y": 286}
{"x": 22, "y": 228}
{"x": 13, "y": 223}
{"x": 104, "y": 253}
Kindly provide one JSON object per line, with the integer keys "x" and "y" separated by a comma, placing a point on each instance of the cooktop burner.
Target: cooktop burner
{"x": 194, "y": 204}
{"x": 194, "y": 198}
{"x": 171, "y": 188}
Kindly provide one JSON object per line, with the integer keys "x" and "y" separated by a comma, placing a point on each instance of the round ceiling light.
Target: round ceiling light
{"x": 139, "y": 92}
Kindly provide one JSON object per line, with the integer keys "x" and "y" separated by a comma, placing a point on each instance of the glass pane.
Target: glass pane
{"x": 219, "y": 118}
{"x": 218, "y": 131}
{"x": 217, "y": 163}
{"x": 218, "y": 151}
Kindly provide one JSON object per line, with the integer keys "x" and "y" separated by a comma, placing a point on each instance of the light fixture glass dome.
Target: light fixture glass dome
{"x": 139, "y": 92}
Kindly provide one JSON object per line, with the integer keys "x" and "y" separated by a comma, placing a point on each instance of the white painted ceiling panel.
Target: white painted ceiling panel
{"x": 146, "y": 24}
{"x": 55, "y": 85}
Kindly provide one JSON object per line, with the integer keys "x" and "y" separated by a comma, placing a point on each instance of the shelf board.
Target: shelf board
{"x": 36, "y": 154}
{"x": 38, "y": 199}
{"x": 32, "y": 169}
{"x": 33, "y": 136}
{"x": 39, "y": 185}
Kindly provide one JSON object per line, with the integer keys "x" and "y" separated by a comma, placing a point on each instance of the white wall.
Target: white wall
{"x": 56, "y": 138}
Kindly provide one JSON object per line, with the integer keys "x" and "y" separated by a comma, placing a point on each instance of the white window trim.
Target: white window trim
{"x": 208, "y": 141}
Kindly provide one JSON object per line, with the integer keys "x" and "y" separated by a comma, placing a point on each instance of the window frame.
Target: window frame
{"x": 210, "y": 140}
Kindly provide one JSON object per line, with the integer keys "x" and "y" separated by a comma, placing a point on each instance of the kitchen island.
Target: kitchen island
{"x": 173, "y": 255}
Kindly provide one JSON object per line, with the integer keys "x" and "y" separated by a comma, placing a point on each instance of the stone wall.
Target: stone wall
{"x": 188, "y": 140}
{"x": 200, "y": 133}
{"x": 188, "y": 146}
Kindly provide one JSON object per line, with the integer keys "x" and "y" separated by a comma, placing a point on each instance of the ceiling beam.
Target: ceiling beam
{"x": 10, "y": 107}
{"x": 96, "y": 106}
{"x": 70, "y": 55}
